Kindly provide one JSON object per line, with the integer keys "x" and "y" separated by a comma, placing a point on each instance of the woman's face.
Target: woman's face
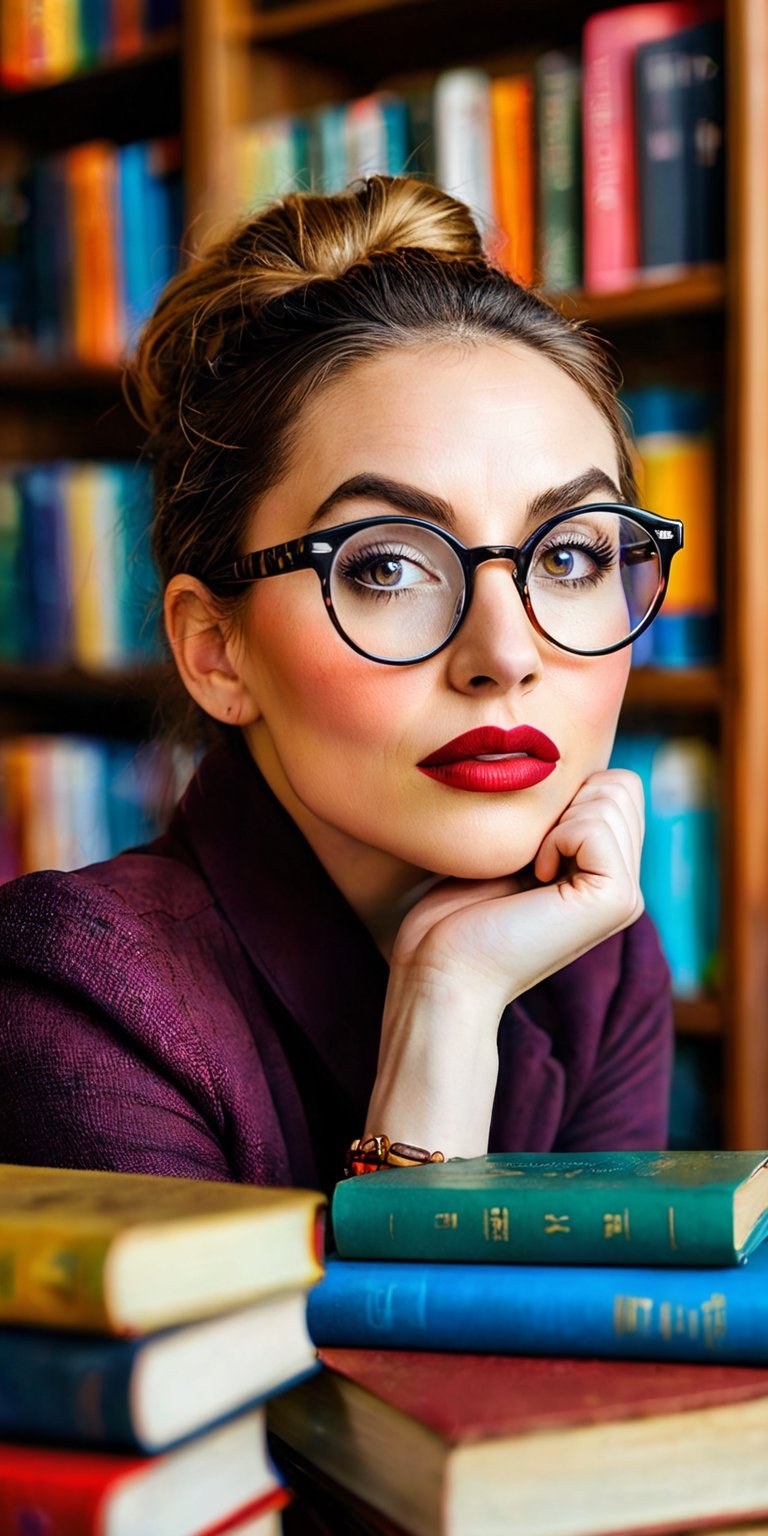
{"x": 486, "y": 430}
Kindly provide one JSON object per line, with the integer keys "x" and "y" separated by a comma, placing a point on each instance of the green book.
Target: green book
{"x": 628, "y": 1208}
{"x": 557, "y": 94}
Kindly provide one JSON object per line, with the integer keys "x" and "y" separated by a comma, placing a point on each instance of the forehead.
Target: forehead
{"x": 487, "y": 426}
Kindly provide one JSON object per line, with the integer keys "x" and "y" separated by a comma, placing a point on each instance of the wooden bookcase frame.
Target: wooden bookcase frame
{"x": 239, "y": 61}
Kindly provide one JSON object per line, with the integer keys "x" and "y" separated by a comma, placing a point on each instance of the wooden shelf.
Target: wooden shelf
{"x": 674, "y": 688}
{"x": 135, "y": 97}
{"x": 163, "y": 45}
{"x": 51, "y": 376}
{"x": 697, "y": 290}
{"x": 121, "y": 703}
{"x": 306, "y": 15}
{"x": 698, "y": 1016}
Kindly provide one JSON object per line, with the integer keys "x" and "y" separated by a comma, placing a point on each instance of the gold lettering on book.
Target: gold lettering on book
{"x": 671, "y": 1225}
{"x": 616, "y": 1224}
{"x": 714, "y": 1318}
{"x": 7, "y": 1275}
{"x": 496, "y": 1224}
{"x": 632, "y": 1314}
{"x": 447, "y": 1219}
{"x": 556, "y": 1224}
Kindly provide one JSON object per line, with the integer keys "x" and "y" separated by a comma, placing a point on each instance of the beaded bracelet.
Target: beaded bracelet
{"x": 368, "y": 1154}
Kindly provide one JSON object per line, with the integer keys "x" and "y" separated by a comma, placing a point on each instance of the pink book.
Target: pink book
{"x": 611, "y": 229}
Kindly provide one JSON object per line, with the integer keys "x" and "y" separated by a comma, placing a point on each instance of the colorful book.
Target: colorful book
{"x": 131, "y": 1253}
{"x": 594, "y": 1311}
{"x": 513, "y": 173}
{"x": 673, "y": 1208}
{"x": 610, "y": 41}
{"x": 678, "y": 478}
{"x": 557, "y": 105}
{"x": 150, "y": 1393}
{"x": 679, "y": 870}
{"x": 197, "y": 1490}
{"x": 509, "y": 1446}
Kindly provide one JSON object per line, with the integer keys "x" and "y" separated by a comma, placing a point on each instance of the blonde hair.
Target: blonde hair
{"x": 291, "y": 297}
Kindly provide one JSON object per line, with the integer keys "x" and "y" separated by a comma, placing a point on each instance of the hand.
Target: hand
{"x": 469, "y": 947}
{"x": 500, "y": 937}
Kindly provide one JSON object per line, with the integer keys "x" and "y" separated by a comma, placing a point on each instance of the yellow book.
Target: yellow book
{"x": 128, "y": 1253}
{"x": 58, "y": 21}
{"x": 678, "y": 479}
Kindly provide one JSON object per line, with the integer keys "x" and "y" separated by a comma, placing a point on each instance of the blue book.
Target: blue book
{"x": 651, "y": 1314}
{"x": 47, "y": 567}
{"x": 155, "y": 1391}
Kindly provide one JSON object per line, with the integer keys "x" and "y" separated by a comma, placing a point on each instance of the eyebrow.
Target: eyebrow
{"x": 434, "y": 509}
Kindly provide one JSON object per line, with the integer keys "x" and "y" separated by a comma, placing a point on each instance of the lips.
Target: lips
{"x": 490, "y": 759}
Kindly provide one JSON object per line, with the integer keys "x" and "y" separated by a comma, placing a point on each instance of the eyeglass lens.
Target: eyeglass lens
{"x": 399, "y": 591}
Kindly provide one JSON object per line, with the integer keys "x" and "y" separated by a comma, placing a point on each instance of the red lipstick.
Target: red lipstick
{"x": 489, "y": 759}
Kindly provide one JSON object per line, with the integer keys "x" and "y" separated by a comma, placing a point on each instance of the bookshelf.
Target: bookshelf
{"x": 233, "y": 61}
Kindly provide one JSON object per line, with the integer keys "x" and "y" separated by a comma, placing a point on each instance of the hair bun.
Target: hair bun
{"x": 381, "y": 215}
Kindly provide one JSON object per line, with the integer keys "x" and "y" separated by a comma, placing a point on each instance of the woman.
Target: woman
{"x": 400, "y": 897}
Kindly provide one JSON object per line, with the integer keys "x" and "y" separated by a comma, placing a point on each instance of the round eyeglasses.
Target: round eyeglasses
{"x": 398, "y": 588}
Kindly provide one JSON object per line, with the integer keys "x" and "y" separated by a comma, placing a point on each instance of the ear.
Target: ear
{"x": 206, "y": 653}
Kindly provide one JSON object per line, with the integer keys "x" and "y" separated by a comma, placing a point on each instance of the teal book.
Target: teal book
{"x": 609, "y": 1208}
{"x": 518, "y": 1309}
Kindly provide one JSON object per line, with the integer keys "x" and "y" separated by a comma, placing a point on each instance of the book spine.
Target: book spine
{"x": 677, "y": 451}
{"x": 57, "y": 1491}
{"x": 512, "y": 125}
{"x": 706, "y": 147}
{"x": 557, "y": 96}
{"x": 610, "y": 40}
{"x": 662, "y": 82}
{"x": 656, "y": 1314}
{"x": 53, "y": 1387}
{"x": 464, "y": 138}
{"x": 557, "y": 1223}
{"x": 52, "y": 1277}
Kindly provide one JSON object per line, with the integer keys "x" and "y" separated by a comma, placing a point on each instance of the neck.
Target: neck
{"x": 380, "y": 888}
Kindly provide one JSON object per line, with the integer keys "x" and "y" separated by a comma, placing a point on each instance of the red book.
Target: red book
{"x": 610, "y": 39}
{"x": 196, "y": 1490}
{"x": 445, "y": 1445}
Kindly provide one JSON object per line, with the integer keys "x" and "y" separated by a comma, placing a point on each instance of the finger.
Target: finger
{"x": 626, "y": 790}
{"x": 625, "y": 830}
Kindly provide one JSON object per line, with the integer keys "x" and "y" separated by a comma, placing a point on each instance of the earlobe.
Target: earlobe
{"x": 205, "y": 653}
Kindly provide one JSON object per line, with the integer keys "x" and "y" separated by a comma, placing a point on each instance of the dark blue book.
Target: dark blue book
{"x": 706, "y": 136}
{"x": 48, "y": 580}
{"x": 680, "y": 120}
{"x": 652, "y": 1314}
{"x": 156, "y": 1391}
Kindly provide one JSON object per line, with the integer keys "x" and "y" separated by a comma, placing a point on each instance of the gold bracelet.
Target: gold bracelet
{"x": 369, "y": 1153}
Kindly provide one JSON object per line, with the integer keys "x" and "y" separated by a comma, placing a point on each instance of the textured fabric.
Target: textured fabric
{"x": 209, "y": 1005}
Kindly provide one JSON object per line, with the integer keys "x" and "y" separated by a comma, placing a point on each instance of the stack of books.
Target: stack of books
{"x": 495, "y": 1367}
{"x": 144, "y": 1322}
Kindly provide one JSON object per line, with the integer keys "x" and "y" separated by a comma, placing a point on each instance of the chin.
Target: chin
{"x": 480, "y": 863}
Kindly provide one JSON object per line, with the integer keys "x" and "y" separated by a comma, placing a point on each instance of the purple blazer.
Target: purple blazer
{"x": 209, "y": 1005}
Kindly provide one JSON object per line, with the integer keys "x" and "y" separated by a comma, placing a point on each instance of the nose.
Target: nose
{"x": 496, "y": 647}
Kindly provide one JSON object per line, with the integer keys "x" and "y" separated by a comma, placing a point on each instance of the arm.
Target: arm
{"x": 75, "y": 1095}
{"x": 470, "y": 947}
{"x": 626, "y": 1104}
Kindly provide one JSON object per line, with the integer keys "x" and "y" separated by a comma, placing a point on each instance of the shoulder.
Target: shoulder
{"x": 50, "y": 920}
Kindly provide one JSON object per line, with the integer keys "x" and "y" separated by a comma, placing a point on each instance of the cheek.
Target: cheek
{"x": 594, "y": 699}
{"x": 308, "y": 680}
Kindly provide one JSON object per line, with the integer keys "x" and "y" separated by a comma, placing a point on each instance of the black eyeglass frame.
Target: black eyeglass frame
{"x": 318, "y": 551}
